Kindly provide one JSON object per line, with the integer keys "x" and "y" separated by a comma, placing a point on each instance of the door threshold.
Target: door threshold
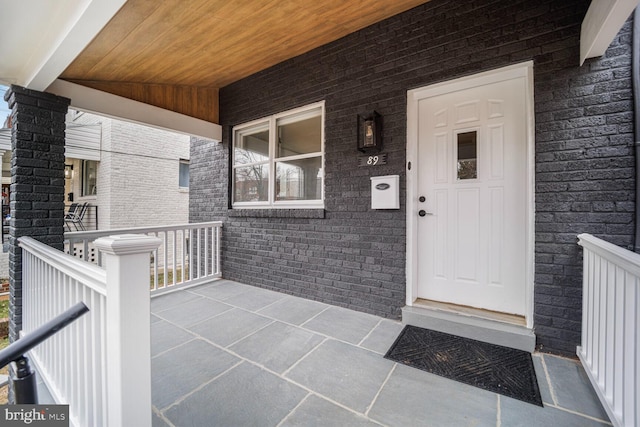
{"x": 481, "y": 325}
{"x": 496, "y": 316}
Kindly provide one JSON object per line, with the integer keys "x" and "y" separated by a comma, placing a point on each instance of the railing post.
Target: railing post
{"x": 128, "y": 346}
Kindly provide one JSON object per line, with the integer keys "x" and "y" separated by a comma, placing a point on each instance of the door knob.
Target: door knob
{"x": 422, "y": 212}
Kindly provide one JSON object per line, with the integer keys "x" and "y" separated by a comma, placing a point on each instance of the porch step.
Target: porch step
{"x": 464, "y": 325}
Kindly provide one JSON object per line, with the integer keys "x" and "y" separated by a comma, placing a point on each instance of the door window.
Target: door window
{"x": 467, "y": 167}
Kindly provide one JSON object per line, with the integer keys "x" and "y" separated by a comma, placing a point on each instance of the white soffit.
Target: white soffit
{"x": 40, "y": 38}
{"x": 601, "y": 24}
{"x": 106, "y": 104}
{"x": 5, "y": 139}
{"x": 83, "y": 141}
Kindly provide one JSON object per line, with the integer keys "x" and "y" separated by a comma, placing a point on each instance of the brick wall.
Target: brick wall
{"x": 37, "y": 181}
{"x": 149, "y": 160}
{"x": 355, "y": 257}
{"x": 584, "y": 180}
{"x": 138, "y": 175}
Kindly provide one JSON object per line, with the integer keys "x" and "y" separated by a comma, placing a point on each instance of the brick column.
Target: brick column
{"x": 37, "y": 181}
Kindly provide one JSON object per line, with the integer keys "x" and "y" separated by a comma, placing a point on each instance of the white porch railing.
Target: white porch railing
{"x": 189, "y": 253}
{"x": 610, "y": 350}
{"x": 100, "y": 364}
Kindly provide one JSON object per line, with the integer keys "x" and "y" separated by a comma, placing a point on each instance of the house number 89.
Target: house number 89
{"x": 379, "y": 159}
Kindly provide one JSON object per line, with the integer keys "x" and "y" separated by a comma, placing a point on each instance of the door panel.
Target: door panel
{"x": 472, "y": 170}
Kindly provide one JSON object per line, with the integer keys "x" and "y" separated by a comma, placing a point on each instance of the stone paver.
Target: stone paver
{"x": 245, "y": 396}
{"x": 229, "y": 354}
{"x": 343, "y": 324}
{"x": 165, "y": 335}
{"x": 278, "y": 346}
{"x": 411, "y": 395}
{"x": 344, "y": 373}
{"x": 230, "y": 326}
{"x": 181, "y": 370}
{"x": 317, "y": 412}
{"x": 193, "y": 311}
{"x": 294, "y": 310}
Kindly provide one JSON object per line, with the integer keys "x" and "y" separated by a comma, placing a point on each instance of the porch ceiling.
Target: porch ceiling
{"x": 211, "y": 43}
{"x": 126, "y": 58}
{"x": 175, "y": 54}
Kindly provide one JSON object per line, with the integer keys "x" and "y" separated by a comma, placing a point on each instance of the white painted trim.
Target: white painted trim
{"x": 610, "y": 343}
{"x": 118, "y": 107}
{"x": 531, "y": 188}
{"x": 70, "y": 42}
{"x": 629, "y": 261}
{"x": 522, "y": 70}
{"x": 128, "y": 308}
{"x": 603, "y": 21}
{"x": 412, "y": 196}
{"x": 127, "y": 244}
{"x": 90, "y": 275}
{"x": 270, "y": 123}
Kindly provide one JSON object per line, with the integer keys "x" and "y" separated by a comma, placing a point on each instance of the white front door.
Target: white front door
{"x": 471, "y": 196}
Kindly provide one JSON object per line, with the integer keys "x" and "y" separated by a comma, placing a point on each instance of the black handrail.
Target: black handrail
{"x": 24, "y": 381}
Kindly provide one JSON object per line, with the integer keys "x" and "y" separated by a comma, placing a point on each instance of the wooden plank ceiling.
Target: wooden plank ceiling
{"x": 176, "y": 54}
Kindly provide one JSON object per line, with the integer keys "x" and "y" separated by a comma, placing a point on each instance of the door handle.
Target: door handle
{"x": 422, "y": 212}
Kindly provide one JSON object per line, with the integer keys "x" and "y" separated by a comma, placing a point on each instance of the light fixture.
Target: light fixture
{"x": 369, "y": 132}
{"x": 68, "y": 169}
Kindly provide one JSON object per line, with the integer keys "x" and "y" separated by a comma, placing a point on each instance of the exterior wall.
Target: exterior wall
{"x": 355, "y": 257}
{"x": 37, "y": 181}
{"x": 584, "y": 180}
{"x": 137, "y": 175}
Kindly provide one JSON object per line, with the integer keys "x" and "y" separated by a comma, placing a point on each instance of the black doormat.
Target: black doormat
{"x": 491, "y": 367}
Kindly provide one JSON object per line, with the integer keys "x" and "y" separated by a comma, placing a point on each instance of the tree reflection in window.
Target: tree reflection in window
{"x": 251, "y": 157}
{"x": 467, "y": 155}
{"x": 277, "y": 161}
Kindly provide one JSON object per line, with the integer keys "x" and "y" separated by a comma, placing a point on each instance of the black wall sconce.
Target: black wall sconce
{"x": 67, "y": 171}
{"x": 369, "y": 132}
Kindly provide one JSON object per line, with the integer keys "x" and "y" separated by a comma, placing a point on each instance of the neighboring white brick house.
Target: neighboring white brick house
{"x": 137, "y": 174}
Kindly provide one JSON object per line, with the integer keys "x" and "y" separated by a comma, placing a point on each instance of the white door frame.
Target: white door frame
{"x": 522, "y": 70}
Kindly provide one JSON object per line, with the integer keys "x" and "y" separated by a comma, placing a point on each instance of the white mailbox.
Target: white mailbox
{"x": 385, "y": 193}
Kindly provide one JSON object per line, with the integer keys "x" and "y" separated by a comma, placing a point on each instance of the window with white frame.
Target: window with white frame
{"x": 89, "y": 177}
{"x": 183, "y": 174}
{"x": 278, "y": 161}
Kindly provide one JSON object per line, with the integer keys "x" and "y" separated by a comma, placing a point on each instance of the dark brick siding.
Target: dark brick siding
{"x": 37, "y": 181}
{"x": 584, "y": 180}
{"x": 354, "y": 256}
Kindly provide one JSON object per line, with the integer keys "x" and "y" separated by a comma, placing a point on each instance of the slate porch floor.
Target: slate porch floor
{"x": 229, "y": 354}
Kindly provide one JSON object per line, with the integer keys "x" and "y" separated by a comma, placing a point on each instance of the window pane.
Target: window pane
{"x": 89, "y": 177}
{"x": 300, "y": 134}
{"x": 467, "y": 155}
{"x": 251, "y": 183}
{"x": 183, "y": 174}
{"x": 251, "y": 145}
{"x": 299, "y": 179}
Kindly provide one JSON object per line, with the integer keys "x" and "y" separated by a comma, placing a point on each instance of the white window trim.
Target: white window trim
{"x": 271, "y": 122}
{"x": 83, "y": 182}
{"x": 180, "y": 163}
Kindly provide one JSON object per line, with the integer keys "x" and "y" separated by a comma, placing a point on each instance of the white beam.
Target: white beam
{"x": 74, "y": 39}
{"x": 45, "y": 37}
{"x": 601, "y": 24}
{"x": 106, "y": 104}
